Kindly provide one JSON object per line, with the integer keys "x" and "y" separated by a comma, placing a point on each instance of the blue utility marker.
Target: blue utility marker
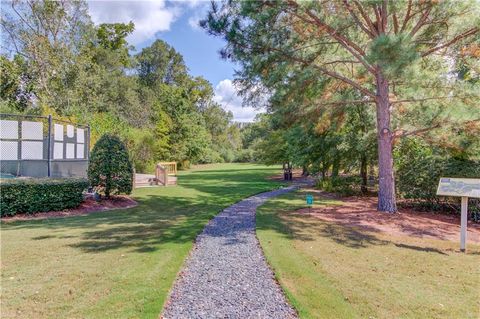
{"x": 309, "y": 199}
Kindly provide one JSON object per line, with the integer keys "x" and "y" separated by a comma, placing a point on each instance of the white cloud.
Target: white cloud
{"x": 199, "y": 9}
{"x": 226, "y": 95}
{"x": 194, "y": 21}
{"x": 195, "y": 3}
{"x": 149, "y": 17}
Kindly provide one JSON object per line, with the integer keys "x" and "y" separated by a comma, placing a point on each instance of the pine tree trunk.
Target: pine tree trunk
{"x": 386, "y": 181}
{"x": 305, "y": 171}
{"x": 363, "y": 173}
{"x": 335, "y": 166}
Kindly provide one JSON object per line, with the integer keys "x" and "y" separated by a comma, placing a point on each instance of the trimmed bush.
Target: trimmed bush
{"x": 110, "y": 170}
{"x": 40, "y": 195}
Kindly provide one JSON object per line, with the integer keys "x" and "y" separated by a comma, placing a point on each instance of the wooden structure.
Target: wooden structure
{"x": 165, "y": 175}
{"x": 287, "y": 172}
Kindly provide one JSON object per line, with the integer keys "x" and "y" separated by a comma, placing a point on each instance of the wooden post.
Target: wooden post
{"x": 463, "y": 224}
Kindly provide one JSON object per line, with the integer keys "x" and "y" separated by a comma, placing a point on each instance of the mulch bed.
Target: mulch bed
{"x": 361, "y": 212}
{"x": 89, "y": 205}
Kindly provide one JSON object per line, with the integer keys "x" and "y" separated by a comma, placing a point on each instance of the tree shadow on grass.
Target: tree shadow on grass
{"x": 157, "y": 220}
{"x": 144, "y": 229}
{"x": 308, "y": 228}
{"x": 418, "y": 248}
{"x": 163, "y": 216}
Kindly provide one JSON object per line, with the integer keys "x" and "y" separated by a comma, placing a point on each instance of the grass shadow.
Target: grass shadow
{"x": 285, "y": 221}
{"x": 164, "y": 215}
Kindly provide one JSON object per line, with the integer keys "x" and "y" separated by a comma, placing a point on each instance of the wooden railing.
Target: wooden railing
{"x": 170, "y": 167}
{"x": 161, "y": 175}
{"x": 163, "y": 170}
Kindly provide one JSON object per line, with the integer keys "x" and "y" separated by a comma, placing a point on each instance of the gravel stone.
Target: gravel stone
{"x": 226, "y": 274}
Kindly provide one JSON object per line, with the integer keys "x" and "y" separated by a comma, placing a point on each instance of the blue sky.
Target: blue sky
{"x": 176, "y": 22}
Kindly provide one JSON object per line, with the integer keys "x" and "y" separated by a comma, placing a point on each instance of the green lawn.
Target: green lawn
{"x": 117, "y": 264}
{"x": 332, "y": 271}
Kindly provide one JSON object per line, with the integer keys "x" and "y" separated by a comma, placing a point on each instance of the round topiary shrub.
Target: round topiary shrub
{"x": 110, "y": 170}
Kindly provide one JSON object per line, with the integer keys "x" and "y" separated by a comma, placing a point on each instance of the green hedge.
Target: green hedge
{"x": 40, "y": 195}
{"x": 418, "y": 170}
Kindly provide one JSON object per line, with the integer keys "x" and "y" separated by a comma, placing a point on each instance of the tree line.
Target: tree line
{"x": 380, "y": 88}
{"x": 56, "y": 61}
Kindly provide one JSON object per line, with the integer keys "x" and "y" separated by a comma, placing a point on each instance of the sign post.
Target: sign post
{"x": 463, "y": 224}
{"x": 464, "y": 188}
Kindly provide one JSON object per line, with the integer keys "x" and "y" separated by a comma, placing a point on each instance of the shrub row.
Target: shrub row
{"x": 343, "y": 185}
{"x": 40, "y": 195}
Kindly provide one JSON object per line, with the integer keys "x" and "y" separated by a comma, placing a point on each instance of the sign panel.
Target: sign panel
{"x": 70, "y": 151}
{"x": 58, "y": 150}
{"x": 80, "y": 135}
{"x": 32, "y": 130}
{"x": 58, "y": 132}
{"x": 8, "y": 129}
{"x": 32, "y": 150}
{"x": 461, "y": 187}
{"x": 80, "y": 150}
{"x": 8, "y": 150}
{"x": 70, "y": 131}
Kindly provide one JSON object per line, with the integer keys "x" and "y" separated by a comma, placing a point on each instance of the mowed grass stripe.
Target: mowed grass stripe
{"x": 334, "y": 271}
{"x": 307, "y": 287}
{"x": 117, "y": 264}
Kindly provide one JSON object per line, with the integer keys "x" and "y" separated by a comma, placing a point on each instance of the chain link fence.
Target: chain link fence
{"x": 41, "y": 146}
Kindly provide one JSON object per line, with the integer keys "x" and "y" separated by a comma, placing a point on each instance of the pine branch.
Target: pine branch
{"x": 423, "y": 99}
{"x": 357, "y": 20}
{"x": 325, "y": 71}
{"x": 346, "y": 80}
{"x": 395, "y": 23}
{"x": 407, "y": 16}
{"x": 404, "y": 133}
{"x": 365, "y": 17}
{"x": 384, "y": 15}
{"x": 421, "y": 22}
{"x": 346, "y": 102}
{"x": 350, "y": 46}
{"x": 453, "y": 41}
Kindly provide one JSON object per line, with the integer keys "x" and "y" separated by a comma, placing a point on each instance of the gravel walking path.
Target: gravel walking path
{"x": 226, "y": 275}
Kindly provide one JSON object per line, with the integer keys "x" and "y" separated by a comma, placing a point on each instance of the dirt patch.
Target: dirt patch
{"x": 89, "y": 205}
{"x": 361, "y": 212}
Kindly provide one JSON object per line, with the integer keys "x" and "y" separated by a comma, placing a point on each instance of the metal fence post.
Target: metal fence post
{"x": 49, "y": 146}
{"x": 19, "y": 149}
{"x": 88, "y": 143}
